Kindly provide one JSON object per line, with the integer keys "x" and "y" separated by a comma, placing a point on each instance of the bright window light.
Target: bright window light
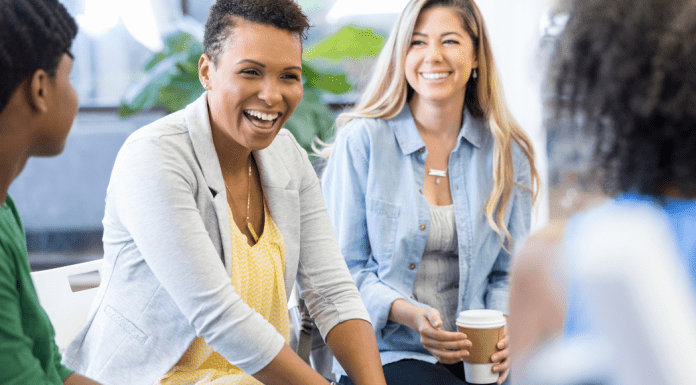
{"x": 139, "y": 19}
{"x": 99, "y": 17}
{"x": 137, "y": 16}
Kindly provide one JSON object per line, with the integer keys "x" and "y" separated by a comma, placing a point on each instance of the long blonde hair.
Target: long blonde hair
{"x": 388, "y": 91}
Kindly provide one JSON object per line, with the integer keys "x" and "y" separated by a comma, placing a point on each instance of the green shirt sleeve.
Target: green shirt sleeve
{"x": 62, "y": 370}
{"x": 28, "y": 352}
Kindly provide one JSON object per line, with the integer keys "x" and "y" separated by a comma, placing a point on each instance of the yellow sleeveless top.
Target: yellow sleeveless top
{"x": 258, "y": 276}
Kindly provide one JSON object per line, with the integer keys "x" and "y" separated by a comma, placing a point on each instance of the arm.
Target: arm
{"x": 17, "y": 360}
{"x": 355, "y": 347}
{"x": 344, "y": 184}
{"x": 76, "y": 379}
{"x": 330, "y": 293}
{"x": 447, "y": 347}
{"x": 287, "y": 368}
{"x": 151, "y": 197}
{"x": 537, "y": 294}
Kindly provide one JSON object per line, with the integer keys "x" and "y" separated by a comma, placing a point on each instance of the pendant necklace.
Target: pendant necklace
{"x": 251, "y": 229}
{"x": 437, "y": 174}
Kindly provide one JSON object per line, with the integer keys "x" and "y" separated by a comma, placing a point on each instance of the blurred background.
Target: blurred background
{"x": 135, "y": 61}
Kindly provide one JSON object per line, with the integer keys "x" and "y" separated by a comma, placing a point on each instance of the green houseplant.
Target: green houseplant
{"x": 171, "y": 79}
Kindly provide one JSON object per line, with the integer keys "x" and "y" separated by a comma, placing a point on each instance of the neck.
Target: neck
{"x": 12, "y": 162}
{"x": 438, "y": 119}
{"x": 671, "y": 191}
{"x": 14, "y": 150}
{"x": 233, "y": 157}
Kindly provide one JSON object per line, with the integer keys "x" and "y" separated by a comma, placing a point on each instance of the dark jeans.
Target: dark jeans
{"x": 414, "y": 372}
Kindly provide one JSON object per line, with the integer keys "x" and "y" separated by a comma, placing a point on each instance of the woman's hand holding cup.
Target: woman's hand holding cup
{"x": 447, "y": 347}
{"x": 502, "y": 364}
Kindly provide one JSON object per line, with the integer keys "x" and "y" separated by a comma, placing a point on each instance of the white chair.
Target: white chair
{"x": 68, "y": 309}
{"x": 300, "y": 341}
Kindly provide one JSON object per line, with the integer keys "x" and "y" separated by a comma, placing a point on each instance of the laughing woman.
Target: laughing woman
{"x": 429, "y": 184}
{"x": 211, "y": 215}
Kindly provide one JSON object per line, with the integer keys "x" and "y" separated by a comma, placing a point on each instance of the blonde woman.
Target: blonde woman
{"x": 429, "y": 184}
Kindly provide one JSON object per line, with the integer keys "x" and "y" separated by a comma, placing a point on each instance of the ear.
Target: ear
{"x": 39, "y": 91}
{"x": 204, "y": 64}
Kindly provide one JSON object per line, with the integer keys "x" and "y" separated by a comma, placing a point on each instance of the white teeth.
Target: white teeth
{"x": 435, "y": 76}
{"x": 262, "y": 116}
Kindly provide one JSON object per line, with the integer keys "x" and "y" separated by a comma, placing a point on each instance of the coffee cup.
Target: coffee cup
{"x": 484, "y": 328}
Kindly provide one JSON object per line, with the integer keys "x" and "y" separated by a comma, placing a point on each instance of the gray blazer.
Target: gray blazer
{"x": 167, "y": 255}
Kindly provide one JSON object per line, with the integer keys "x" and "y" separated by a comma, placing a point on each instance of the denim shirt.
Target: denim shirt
{"x": 373, "y": 188}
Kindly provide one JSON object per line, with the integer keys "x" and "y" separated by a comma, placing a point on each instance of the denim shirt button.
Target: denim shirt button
{"x": 412, "y": 266}
{"x": 422, "y": 227}
{"x": 421, "y": 150}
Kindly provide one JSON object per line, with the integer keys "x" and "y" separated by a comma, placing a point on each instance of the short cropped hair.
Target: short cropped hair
{"x": 282, "y": 14}
{"x": 626, "y": 75}
{"x": 34, "y": 34}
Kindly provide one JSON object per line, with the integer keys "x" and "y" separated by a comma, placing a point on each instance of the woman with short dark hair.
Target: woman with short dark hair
{"x": 212, "y": 214}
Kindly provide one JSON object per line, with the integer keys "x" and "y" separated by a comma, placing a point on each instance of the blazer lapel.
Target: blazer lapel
{"x": 198, "y": 123}
{"x": 284, "y": 206}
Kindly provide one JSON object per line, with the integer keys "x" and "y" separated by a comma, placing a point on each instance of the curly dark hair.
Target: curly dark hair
{"x": 34, "y": 34}
{"x": 283, "y": 14}
{"x": 626, "y": 75}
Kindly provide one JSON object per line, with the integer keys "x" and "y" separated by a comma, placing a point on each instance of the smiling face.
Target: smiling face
{"x": 441, "y": 57}
{"x": 256, "y": 84}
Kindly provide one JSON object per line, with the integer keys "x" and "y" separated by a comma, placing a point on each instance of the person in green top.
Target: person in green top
{"x": 37, "y": 108}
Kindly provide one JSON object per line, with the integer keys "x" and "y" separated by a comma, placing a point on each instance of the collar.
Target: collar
{"x": 409, "y": 139}
{"x": 198, "y": 125}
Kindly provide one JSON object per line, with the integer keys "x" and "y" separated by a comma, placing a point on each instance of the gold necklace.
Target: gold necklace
{"x": 251, "y": 229}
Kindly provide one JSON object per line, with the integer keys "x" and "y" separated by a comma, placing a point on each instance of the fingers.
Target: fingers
{"x": 503, "y": 343}
{"x": 503, "y": 376}
{"x": 446, "y": 344}
{"x": 500, "y": 356}
{"x": 433, "y": 316}
{"x": 504, "y": 367}
{"x": 447, "y": 356}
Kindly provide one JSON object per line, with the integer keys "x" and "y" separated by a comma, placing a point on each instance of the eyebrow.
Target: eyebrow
{"x": 264, "y": 66}
{"x": 442, "y": 35}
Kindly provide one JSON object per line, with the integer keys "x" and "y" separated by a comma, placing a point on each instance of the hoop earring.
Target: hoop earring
{"x": 474, "y": 74}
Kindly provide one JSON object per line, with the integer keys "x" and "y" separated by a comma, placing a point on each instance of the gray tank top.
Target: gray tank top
{"x": 437, "y": 279}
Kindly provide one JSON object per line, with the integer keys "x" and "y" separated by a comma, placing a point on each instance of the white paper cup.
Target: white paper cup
{"x": 484, "y": 328}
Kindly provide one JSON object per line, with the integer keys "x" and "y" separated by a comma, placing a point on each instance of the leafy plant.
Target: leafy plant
{"x": 171, "y": 79}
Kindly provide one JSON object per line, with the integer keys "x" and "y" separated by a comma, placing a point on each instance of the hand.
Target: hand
{"x": 501, "y": 358}
{"x": 447, "y": 347}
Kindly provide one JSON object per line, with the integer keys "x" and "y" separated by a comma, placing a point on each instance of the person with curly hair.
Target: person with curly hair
{"x": 37, "y": 107}
{"x": 625, "y": 75}
{"x": 430, "y": 184}
{"x": 212, "y": 214}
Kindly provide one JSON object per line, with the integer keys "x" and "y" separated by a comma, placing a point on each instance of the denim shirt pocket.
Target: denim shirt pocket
{"x": 382, "y": 220}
